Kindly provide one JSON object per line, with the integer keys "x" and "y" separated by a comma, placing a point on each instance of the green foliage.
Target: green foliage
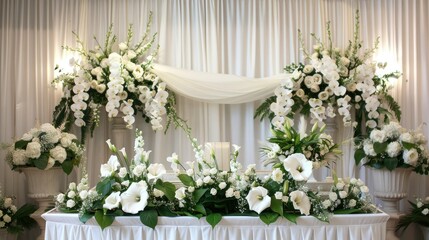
{"x": 292, "y": 217}
{"x": 149, "y": 218}
{"x": 213, "y": 219}
{"x": 263, "y": 111}
{"x": 268, "y": 217}
{"x": 104, "y": 220}
{"x": 186, "y": 180}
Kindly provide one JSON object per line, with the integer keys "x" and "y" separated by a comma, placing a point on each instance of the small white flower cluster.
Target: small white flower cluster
{"x": 7, "y": 210}
{"x": 71, "y": 200}
{"x": 395, "y": 142}
{"x": 347, "y": 194}
{"x": 45, "y": 143}
{"x": 423, "y": 206}
{"x": 121, "y": 81}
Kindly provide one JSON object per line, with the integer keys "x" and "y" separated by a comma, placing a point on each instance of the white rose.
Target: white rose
{"x": 425, "y": 211}
{"x": 158, "y": 193}
{"x": 364, "y": 189}
{"x": 278, "y": 195}
{"x": 122, "y": 172}
{"x": 229, "y": 193}
{"x": 277, "y": 175}
{"x": 340, "y": 186}
{"x": 7, "y": 202}
{"x": 411, "y": 156}
{"x": 2, "y": 224}
{"x": 71, "y": 194}
{"x": 138, "y": 170}
{"x": 222, "y": 185}
{"x": 352, "y": 203}
{"x": 71, "y": 203}
{"x": 326, "y": 203}
{"x": 207, "y": 179}
{"x": 378, "y": 136}
{"x": 58, "y": 153}
{"x": 343, "y": 194}
{"x": 60, "y": 197}
{"x": 393, "y": 149}
{"x": 123, "y": 46}
{"x": 33, "y": 150}
{"x": 407, "y": 137}
{"x": 333, "y": 196}
{"x": 7, "y": 218}
{"x": 191, "y": 189}
{"x": 308, "y": 69}
{"x": 83, "y": 194}
{"x": 213, "y": 191}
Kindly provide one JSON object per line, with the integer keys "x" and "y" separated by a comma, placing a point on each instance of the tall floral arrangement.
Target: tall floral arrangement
{"x": 393, "y": 146}
{"x": 116, "y": 77}
{"x": 333, "y": 81}
{"x": 45, "y": 147}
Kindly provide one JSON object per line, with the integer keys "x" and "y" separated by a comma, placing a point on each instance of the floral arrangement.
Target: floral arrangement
{"x": 71, "y": 200}
{"x": 334, "y": 82}
{"x": 317, "y": 146}
{"x": 419, "y": 214}
{"x": 15, "y": 220}
{"x": 135, "y": 187}
{"x": 117, "y": 77}
{"x": 392, "y": 146}
{"x": 45, "y": 147}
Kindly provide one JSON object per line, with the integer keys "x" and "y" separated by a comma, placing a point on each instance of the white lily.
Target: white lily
{"x": 300, "y": 202}
{"x": 110, "y": 167}
{"x": 298, "y": 166}
{"x": 135, "y": 198}
{"x": 112, "y": 201}
{"x": 155, "y": 171}
{"x": 258, "y": 199}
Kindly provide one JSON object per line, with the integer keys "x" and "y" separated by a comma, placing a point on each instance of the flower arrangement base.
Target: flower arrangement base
{"x": 425, "y": 232}
{"x": 390, "y": 187}
{"x": 4, "y": 235}
{"x": 42, "y": 186}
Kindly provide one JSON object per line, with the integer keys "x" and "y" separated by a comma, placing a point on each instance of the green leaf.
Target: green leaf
{"x": 200, "y": 208}
{"x": 165, "y": 211}
{"x": 272, "y": 186}
{"x": 42, "y": 161}
{"x": 380, "y": 147}
{"x": 213, "y": 219}
{"x": 407, "y": 145}
{"x": 197, "y": 194}
{"x": 23, "y": 218}
{"x": 268, "y": 217}
{"x": 391, "y": 163}
{"x": 104, "y": 186}
{"x": 277, "y": 205}
{"x": 149, "y": 218}
{"x": 85, "y": 217}
{"x": 186, "y": 180}
{"x": 21, "y": 144}
{"x": 359, "y": 155}
{"x": 104, "y": 220}
{"x": 347, "y": 211}
{"x": 292, "y": 217}
{"x": 67, "y": 166}
{"x": 168, "y": 188}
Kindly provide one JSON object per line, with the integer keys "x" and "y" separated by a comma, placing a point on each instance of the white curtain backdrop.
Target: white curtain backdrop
{"x": 253, "y": 39}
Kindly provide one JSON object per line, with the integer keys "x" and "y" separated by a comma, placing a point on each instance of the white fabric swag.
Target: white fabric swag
{"x": 217, "y": 88}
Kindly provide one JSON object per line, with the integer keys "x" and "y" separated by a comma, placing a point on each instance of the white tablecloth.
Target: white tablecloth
{"x": 352, "y": 227}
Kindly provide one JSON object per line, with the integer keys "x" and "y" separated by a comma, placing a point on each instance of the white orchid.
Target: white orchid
{"x": 258, "y": 199}
{"x": 135, "y": 198}
{"x": 298, "y": 166}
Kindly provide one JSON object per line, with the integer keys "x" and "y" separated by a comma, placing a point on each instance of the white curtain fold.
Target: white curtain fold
{"x": 217, "y": 88}
{"x": 254, "y": 39}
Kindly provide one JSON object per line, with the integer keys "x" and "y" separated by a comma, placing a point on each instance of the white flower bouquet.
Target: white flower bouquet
{"x": 115, "y": 76}
{"x": 332, "y": 82}
{"x": 392, "y": 146}
{"x": 71, "y": 201}
{"x": 15, "y": 220}
{"x": 418, "y": 214}
{"x": 45, "y": 147}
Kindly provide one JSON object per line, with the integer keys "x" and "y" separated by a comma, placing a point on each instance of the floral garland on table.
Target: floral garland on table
{"x": 121, "y": 81}
{"x": 15, "y": 220}
{"x": 419, "y": 214}
{"x": 45, "y": 147}
{"x": 135, "y": 187}
{"x": 392, "y": 146}
{"x": 331, "y": 82}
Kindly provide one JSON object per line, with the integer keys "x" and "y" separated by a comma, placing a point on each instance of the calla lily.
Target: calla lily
{"x": 135, "y": 198}
{"x": 300, "y": 202}
{"x": 155, "y": 171}
{"x": 258, "y": 199}
{"x": 110, "y": 167}
{"x": 112, "y": 201}
{"x": 298, "y": 166}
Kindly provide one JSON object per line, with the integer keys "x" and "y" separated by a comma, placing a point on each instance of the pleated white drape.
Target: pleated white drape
{"x": 252, "y": 38}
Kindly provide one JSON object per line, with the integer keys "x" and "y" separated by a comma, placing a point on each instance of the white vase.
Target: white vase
{"x": 425, "y": 231}
{"x": 4, "y": 235}
{"x": 390, "y": 187}
{"x": 42, "y": 186}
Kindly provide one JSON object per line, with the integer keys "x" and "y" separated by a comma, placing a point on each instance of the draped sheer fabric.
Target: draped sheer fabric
{"x": 253, "y": 39}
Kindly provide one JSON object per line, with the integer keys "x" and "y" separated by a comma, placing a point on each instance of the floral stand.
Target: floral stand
{"x": 42, "y": 186}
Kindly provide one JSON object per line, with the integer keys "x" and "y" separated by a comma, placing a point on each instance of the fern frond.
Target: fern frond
{"x": 393, "y": 105}
{"x": 263, "y": 110}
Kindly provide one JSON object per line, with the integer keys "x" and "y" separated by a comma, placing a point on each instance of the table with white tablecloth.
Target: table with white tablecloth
{"x": 347, "y": 226}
